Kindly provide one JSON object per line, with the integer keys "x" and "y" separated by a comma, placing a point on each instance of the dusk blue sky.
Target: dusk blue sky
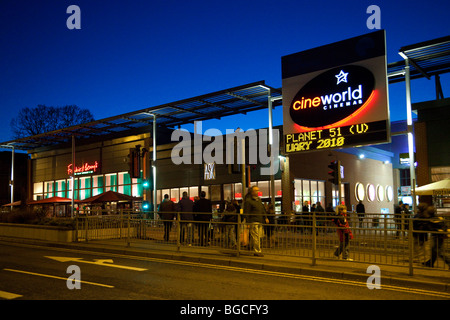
{"x": 130, "y": 55}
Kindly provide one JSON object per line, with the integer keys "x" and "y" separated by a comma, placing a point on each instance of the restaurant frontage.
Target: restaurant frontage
{"x": 105, "y": 166}
{"x": 333, "y": 112}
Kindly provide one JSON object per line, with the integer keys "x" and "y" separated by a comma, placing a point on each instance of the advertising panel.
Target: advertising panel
{"x": 336, "y": 96}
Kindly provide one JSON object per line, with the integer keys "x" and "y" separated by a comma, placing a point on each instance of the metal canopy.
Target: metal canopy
{"x": 237, "y": 100}
{"x": 427, "y": 59}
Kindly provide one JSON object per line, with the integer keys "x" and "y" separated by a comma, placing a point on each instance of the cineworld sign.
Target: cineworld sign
{"x": 336, "y": 95}
{"x": 332, "y": 97}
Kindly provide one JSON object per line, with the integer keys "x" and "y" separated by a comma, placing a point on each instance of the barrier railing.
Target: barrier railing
{"x": 377, "y": 238}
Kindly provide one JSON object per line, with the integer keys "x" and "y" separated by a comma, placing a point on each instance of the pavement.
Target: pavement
{"x": 432, "y": 279}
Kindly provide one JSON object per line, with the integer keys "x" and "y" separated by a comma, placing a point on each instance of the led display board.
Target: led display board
{"x": 336, "y": 96}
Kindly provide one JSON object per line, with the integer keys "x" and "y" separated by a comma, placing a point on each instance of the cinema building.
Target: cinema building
{"x": 104, "y": 152}
{"x": 133, "y": 153}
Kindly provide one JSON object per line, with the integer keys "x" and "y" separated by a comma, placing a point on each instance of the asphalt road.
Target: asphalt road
{"x": 41, "y": 273}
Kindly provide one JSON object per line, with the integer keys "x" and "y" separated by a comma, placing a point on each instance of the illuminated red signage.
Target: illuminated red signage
{"x": 336, "y": 96}
{"x": 86, "y": 168}
{"x": 332, "y": 97}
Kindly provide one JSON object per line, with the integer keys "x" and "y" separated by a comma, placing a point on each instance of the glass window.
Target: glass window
{"x": 263, "y": 189}
{"x": 321, "y": 194}
{"x": 306, "y": 191}
{"x": 164, "y": 192}
{"x": 278, "y": 190}
{"x": 389, "y": 193}
{"x": 48, "y": 189}
{"x": 184, "y": 189}
{"x": 158, "y": 196}
{"x": 38, "y": 188}
{"x": 370, "y": 192}
{"x": 216, "y": 193}
{"x": 227, "y": 192}
{"x": 380, "y": 193}
{"x": 206, "y": 189}
{"x": 60, "y": 188}
{"x": 238, "y": 190}
{"x": 110, "y": 182}
{"x": 175, "y": 194}
{"x": 314, "y": 191}
{"x": 193, "y": 192}
{"x": 97, "y": 185}
{"x": 359, "y": 192}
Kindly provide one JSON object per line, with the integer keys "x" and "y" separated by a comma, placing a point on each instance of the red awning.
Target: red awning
{"x": 52, "y": 200}
{"x": 108, "y": 196}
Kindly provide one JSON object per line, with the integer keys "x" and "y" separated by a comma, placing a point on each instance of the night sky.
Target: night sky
{"x": 129, "y": 55}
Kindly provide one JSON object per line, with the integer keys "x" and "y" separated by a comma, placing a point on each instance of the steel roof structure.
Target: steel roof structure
{"x": 427, "y": 59}
{"x": 237, "y": 100}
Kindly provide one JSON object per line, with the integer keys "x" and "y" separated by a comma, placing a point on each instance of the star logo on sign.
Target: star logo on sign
{"x": 341, "y": 77}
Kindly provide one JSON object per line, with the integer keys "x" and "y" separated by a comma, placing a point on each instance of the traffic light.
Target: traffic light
{"x": 134, "y": 163}
{"x": 145, "y": 205}
{"x": 335, "y": 172}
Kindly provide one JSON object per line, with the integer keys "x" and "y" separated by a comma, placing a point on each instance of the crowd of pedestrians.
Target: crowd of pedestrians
{"x": 258, "y": 219}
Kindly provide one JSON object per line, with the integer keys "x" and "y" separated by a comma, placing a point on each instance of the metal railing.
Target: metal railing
{"x": 377, "y": 238}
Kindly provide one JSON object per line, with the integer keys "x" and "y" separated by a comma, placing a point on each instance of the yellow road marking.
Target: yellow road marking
{"x": 59, "y": 278}
{"x": 9, "y": 295}
{"x": 257, "y": 271}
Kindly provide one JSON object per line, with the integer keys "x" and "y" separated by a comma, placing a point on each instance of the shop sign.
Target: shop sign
{"x": 86, "y": 168}
{"x": 332, "y": 96}
{"x": 335, "y": 96}
{"x": 210, "y": 171}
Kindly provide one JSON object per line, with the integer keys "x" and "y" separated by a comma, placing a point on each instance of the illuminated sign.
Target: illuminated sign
{"x": 325, "y": 101}
{"x": 335, "y": 96}
{"x": 86, "y": 168}
{"x": 355, "y": 134}
{"x": 210, "y": 171}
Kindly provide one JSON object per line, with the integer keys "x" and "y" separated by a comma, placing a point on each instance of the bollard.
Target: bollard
{"x": 411, "y": 247}
{"x": 314, "y": 239}
{"x": 128, "y": 232}
{"x": 238, "y": 235}
{"x": 178, "y": 228}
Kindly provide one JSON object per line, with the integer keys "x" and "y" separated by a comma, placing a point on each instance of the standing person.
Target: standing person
{"x": 256, "y": 216}
{"x": 360, "y": 210}
{"x": 167, "y": 212}
{"x": 420, "y": 234}
{"x": 186, "y": 207}
{"x": 305, "y": 215}
{"x": 203, "y": 210}
{"x": 230, "y": 217}
{"x": 439, "y": 233}
{"x": 320, "y": 212}
{"x": 329, "y": 211}
{"x": 398, "y": 212}
{"x": 271, "y": 227}
{"x": 343, "y": 231}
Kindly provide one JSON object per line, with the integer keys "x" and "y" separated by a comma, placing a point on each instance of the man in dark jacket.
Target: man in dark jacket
{"x": 186, "y": 207}
{"x": 255, "y": 216}
{"x": 203, "y": 210}
{"x": 167, "y": 212}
